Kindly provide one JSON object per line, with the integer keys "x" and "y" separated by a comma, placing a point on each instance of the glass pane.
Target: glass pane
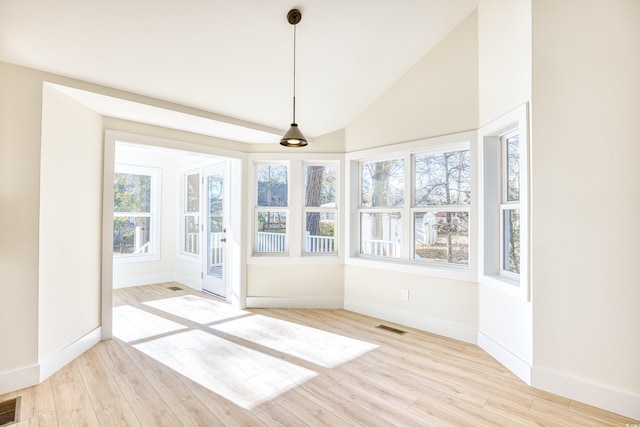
{"x": 273, "y": 185}
{"x": 320, "y": 184}
{"x": 513, "y": 169}
{"x": 443, "y": 179}
{"x": 511, "y": 240}
{"x": 215, "y": 248}
{"x": 131, "y": 235}
{"x": 441, "y": 237}
{"x": 272, "y": 232}
{"x": 192, "y": 193}
{"x": 381, "y": 234}
{"x": 132, "y": 193}
{"x": 216, "y": 194}
{"x": 382, "y": 183}
{"x": 191, "y": 235}
{"x": 320, "y": 232}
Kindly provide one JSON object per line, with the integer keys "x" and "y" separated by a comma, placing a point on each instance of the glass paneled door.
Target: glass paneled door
{"x": 216, "y": 203}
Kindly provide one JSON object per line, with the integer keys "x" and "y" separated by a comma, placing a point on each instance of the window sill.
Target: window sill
{"x": 285, "y": 259}
{"x": 504, "y": 284}
{"x": 402, "y": 266}
{"x": 126, "y": 259}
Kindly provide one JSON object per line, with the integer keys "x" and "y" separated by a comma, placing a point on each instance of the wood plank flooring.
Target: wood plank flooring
{"x": 186, "y": 359}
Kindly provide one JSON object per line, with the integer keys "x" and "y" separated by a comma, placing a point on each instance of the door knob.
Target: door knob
{"x": 224, "y": 239}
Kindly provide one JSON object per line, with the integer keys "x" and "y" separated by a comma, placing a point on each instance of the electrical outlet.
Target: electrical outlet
{"x": 404, "y": 295}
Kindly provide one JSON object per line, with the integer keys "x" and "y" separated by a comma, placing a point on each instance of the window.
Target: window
{"x": 503, "y": 211}
{"x": 413, "y": 206}
{"x": 320, "y": 209}
{"x": 272, "y": 207}
{"x": 381, "y": 207}
{"x": 191, "y": 213}
{"x": 510, "y": 206}
{"x": 135, "y": 220}
{"x": 442, "y": 196}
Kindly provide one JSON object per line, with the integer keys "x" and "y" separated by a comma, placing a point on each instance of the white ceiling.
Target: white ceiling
{"x": 233, "y": 57}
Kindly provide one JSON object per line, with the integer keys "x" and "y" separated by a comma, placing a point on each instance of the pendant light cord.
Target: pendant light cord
{"x": 294, "y": 73}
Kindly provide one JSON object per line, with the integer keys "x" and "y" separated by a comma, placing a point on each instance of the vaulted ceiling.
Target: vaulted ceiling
{"x": 233, "y": 57}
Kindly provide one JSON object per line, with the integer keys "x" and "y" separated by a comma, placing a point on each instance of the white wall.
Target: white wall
{"x": 70, "y": 222}
{"x": 442, "y": 306}
{"x": 438, "y": 96}
{"x": 504, "y": 46}
{"x": 504, "y": 56}
{"x": 586, "y": 86}
{"x": 20, "y": 128}
{"x": 295, "y": 285}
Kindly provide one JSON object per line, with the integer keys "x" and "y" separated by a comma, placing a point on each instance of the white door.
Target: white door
{"x": 215, "y": 227}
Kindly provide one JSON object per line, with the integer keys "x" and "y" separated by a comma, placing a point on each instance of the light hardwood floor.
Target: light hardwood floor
{"x": 184, "y": 358}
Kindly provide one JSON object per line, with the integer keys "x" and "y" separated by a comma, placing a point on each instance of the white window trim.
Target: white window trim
{"x": 182, "y": 214}
{"x": 155, "y": 214}
{"x": 295, "y": 227}
{"x": 490, "y": 203}
{"x": 284, "y": 209}
{"x": 453, "y": 142}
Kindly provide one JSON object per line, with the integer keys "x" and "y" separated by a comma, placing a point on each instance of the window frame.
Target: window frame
{"x": 406, "y": 264}
{"x": 271, "y": 209}
{"x": 506, "y": 204}
{"x": 492, "y": 187}
{"x": 383, "y": 208}
{"x": 153, "y": 254}
{"x": 311, "y": 209}
{"x": 184, "y": 174}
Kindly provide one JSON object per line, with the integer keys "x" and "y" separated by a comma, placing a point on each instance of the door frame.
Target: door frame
{"x": 226, "y": 194}
{"x": 236, "y": 235}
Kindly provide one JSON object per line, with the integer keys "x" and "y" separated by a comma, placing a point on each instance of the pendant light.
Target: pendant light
{"x": 293, "y": 137}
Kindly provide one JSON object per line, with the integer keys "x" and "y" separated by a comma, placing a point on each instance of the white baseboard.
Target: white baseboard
{"x": 54, "y": 362}
{"x": 301, "y": 302}
{"x": 193, "y": 283}
{"x": 126, "y": 282}
{"x": 503, "y": 355}
{"x": 436, "y": 326}
{"x": 35, "y": 374}
{"x": 19, "y": 378}
{"x": 584, "y": 391}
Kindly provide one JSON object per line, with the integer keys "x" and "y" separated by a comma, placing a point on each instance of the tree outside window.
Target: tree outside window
{"x": 320, "y": 208}
{"x": 442, "y": 195}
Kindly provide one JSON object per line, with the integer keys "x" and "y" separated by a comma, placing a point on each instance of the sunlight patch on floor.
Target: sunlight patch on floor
{"x": 132, "y": 324}
{"x": 244, "y": 376}
{"x": 197, "y": 309}
{"x": 312, "y": 345}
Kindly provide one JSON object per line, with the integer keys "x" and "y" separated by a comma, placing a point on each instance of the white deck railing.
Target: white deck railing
{"x": 388, "y": 248}
{"x": 267, "y": 242}
{"x": 271, "y": 242}
{"x": 320, "y": 244}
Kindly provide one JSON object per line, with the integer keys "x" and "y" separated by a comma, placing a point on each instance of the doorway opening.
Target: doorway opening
{"x": 169, "y": 216}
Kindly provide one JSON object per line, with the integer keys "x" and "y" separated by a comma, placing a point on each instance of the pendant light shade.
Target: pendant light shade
{"x": 294, "y": 137}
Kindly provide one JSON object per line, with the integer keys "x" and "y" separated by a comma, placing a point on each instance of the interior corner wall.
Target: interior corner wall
{"x": 70, "y": 222}
{"x": 586, "y": 63}
{"x": 504, "y": 56}
{"x": 438, "y": 96}
{"x": 20, "y": 128}
{"x": 505, "y": 326}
